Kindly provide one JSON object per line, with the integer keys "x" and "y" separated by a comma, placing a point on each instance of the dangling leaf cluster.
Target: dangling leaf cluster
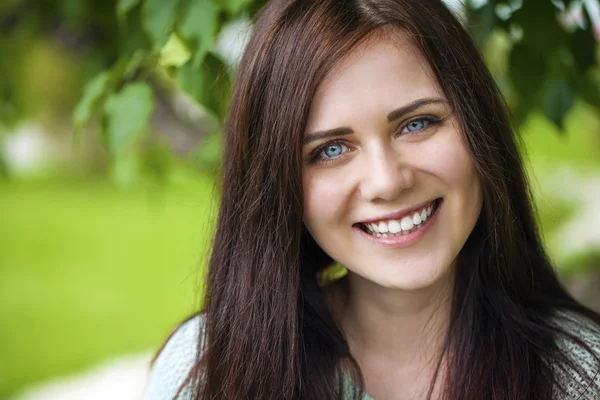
{"x": 174, "y": 36}
{"x": 552, "y": 56}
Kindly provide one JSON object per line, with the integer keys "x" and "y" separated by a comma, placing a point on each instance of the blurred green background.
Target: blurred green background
{"x": 109, "y": 121}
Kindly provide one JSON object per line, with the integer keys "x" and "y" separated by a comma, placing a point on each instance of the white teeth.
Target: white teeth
{"x": 383, "y": 228}
{"x": 407, "y": 223}
{"x": 394, "y": 226}
{"x": 416, "y": 219}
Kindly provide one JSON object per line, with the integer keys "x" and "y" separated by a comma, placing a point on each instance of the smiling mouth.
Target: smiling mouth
{"x": 401, "y": 226}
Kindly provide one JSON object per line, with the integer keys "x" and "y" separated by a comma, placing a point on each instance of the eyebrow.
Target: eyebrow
{"x": 410, "y": 107}
{"x": 392, "y": 116}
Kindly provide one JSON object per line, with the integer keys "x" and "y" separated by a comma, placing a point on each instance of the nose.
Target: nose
{"x": 385, "y": 176}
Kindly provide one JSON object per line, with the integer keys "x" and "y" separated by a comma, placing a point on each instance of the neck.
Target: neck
{"x": 405, "y": 328}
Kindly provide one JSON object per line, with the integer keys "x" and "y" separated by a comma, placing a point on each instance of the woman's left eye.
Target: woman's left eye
{"x": 416, "y": 125}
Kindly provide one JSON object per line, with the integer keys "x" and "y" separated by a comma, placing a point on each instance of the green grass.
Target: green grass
{"x": 88, "y": 271}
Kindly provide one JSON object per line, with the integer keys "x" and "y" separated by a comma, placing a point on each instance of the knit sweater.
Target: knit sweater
{"x": 177, "y": 357}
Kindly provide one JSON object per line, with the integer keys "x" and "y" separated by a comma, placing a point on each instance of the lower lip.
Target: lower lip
{"x": 404, "y": 240}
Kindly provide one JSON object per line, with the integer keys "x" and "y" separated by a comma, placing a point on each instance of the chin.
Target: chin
{"x": 418, "y": 278}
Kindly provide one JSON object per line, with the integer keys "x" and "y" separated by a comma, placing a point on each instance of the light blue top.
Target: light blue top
{"x": 176, "y": 359}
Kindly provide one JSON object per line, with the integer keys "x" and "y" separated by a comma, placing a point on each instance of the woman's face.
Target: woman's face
{"x": 390, "y": 191}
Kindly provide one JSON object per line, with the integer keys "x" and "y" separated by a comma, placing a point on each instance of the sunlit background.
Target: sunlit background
{"x": 102, "y": 251}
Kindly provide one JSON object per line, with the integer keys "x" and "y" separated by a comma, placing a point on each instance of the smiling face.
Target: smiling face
{"x": 390, "y": 191}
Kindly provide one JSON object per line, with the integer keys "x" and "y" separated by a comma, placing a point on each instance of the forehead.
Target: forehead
{"x": 382, "y": 73}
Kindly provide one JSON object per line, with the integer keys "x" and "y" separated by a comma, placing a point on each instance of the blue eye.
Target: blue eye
{"x": 333, "y": 150}
{"x": 415, "y": 125}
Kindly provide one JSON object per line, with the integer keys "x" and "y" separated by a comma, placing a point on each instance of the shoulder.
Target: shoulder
{"x": 588, "y": 333}
{"x": 174, "y": 361}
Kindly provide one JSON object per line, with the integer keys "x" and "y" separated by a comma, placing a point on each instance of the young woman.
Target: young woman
{"x": 369, "y": 134}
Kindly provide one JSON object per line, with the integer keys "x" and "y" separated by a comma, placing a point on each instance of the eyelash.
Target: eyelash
{"x": 315, "y": 155}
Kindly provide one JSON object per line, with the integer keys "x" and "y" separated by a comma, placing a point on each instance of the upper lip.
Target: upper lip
{"x": 396, "y": 215}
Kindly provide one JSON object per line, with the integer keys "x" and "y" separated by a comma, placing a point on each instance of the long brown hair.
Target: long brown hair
{"x": 268, "y": 332}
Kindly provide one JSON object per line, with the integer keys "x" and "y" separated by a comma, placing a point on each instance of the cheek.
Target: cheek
{"x": 326, "y": 195}
{"x": 449, "y": 160}
{"x": 319, "y": 197}
{"x": 458, "y": 173}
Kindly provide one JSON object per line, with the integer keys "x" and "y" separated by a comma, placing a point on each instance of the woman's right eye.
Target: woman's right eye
{"x": 332, "y": 150}
{"x": 328, "y": 152}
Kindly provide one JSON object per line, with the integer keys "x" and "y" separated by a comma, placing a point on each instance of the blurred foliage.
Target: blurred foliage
{"x": 131, "y": 48}
{"x": 551, "y": 57}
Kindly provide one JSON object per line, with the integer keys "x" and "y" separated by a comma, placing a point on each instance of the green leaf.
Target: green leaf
{"x": 583, "y": 48}
{"x": 126, "y": 170}
{"x": 126, "y": 115}
{"x": 232, "y": 6}
{"x": 136, "y": 36}
{"x": 175, "y": 53}
{"x": 159, "y": 19}
{"x": 92, "y": 93}
{"x": 558, "y": 98}
{"x": 481, "y": 22}
{"x": 587, "y": 87}
{"x": 208, "y": 84}
{"x": 123, "y": 7}
{"x": 527, "y": 70}
{"x": 199, "y": 27}
{"x": 541, "y": 28}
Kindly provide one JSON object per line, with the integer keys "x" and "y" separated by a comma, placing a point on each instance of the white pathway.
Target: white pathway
{"x": 123, "y": 378}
